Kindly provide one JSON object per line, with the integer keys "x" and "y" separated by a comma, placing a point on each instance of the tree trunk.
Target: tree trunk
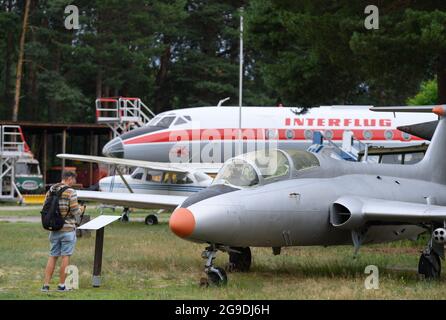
{"x": 161, "y": 96}
{"x": 8, "y": 53}
{"x": 55, "y": 110}
{"x": 99, "y": 84}
{"x": 15, "y": 110}
{"x": 9, "y": 47}
{"x": 441, "y": 79}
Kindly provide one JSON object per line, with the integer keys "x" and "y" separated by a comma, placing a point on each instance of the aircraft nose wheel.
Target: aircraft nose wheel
{"x": 151, "y": 219}
{"x": 216, "y": 276}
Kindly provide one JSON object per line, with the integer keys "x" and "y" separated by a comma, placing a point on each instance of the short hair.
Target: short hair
{"x": 68, "y": 174}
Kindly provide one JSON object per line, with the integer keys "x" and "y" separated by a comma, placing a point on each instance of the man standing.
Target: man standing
{"x": 62, "y": 242}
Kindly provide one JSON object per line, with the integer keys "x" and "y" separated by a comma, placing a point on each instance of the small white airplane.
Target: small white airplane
{"x": 150, "y": 180}
{"x": 212, "y": 134}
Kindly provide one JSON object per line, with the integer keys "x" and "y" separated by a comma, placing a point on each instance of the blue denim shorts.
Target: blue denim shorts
{"x": 62, "y": 243}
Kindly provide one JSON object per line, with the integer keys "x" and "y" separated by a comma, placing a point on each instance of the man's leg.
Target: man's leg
{"x": 63, "y": 265}
{"x": 49, "y": 270}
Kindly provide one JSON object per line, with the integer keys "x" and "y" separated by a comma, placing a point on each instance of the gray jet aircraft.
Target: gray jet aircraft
{"x": 280, "y": 198}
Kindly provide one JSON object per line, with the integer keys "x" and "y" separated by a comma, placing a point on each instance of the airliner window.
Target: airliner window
{"x": 188, "y": 118}
{"x": 165, "y": 122}
{"x": 303, "y": 159}
{"x": 238, "y": 173}
{"x": 180, "y": 121}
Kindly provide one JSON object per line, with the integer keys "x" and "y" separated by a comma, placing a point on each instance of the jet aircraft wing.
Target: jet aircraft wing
{"x": 351, "y": 212}
{"x": 132, "y": 200}
{"x": 161, "y": 166}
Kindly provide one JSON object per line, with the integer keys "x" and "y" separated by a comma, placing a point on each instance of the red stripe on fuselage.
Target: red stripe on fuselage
{"x": 259, "y": 134}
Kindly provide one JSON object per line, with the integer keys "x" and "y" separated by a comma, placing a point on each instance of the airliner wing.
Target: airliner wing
{"x": 161, "y": 166}
{"x": 132, "y": 200}
{"x": 350, "y": 212}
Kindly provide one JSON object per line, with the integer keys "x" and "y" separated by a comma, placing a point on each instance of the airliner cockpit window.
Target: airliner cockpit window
{"x": 179, "y": 121}
{"x": 237, "y": 172}
{"x": 166, "y": 122}
{"x": 303, "y": 159}
{"x": 154, "y": 121}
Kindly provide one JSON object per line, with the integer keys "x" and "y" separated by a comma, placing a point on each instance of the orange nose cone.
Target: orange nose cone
{"x": 182, "y": 222}
{"x": 439, "y": 110}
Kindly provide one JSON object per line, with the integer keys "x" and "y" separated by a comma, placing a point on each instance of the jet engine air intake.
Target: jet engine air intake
{"x": 347, "y": 213}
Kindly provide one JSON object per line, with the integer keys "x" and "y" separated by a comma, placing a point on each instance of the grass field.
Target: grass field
{"x": 142, "y": 262}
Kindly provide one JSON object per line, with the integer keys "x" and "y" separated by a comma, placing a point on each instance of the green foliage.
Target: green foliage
{"x": 179, "y": 53}
{"x": 426, "y": 96}
{"x": 318, "y": 52}
{"x": 173, "y": 53}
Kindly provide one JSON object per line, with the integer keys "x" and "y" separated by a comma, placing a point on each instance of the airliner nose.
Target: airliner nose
{"x": 114, "y": 148}
{"x": 182, "y": 222}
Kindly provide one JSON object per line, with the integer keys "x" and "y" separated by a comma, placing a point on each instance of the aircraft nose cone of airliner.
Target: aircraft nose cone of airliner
{"x": 182, "y": 222}
{"x": 114, "y": 148}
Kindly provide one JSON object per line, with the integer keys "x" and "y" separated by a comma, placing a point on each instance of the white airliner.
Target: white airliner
{"x": 211, "y": 134}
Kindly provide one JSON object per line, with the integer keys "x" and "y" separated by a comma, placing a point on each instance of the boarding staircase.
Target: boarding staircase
{"x": 12, "y": 147}
{"x": 349, "y": 149}
{"x": 122, "y": 114}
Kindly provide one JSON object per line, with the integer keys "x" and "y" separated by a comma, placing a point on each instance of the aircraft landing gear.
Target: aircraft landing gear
{"x": 151, "y": 219}
{"x": 429, "y": 264}
{"x": 216, "y": 276}
{"x": 239, "y": 259}
{"x": 125, "y": 215}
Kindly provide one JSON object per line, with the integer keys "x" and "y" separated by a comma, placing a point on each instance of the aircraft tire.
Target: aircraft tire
{"x": 240, "y": 262}
{"x": 151, "y": 219}
{"x": 429, "y": 265}
{"x": 215, "y": 280}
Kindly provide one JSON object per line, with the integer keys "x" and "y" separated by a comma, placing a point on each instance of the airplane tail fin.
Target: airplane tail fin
{"x": 433, "y": 164}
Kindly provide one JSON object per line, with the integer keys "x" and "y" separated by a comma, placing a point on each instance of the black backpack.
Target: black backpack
{"x": 51, "y": 218}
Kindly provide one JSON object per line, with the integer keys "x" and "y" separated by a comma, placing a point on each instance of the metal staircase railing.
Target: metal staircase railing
{"x": 12, "y": 147}
{"x": 122, "y": 114}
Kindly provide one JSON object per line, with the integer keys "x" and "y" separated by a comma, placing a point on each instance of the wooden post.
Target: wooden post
{"x": 18, "y": 81}
{"x": 97, "y": 265}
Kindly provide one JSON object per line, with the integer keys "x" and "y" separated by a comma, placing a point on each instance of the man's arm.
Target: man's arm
{"x": 76, "y": 210}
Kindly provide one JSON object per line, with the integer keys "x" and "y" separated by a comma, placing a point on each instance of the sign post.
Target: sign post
{"x": 98, "y": 224}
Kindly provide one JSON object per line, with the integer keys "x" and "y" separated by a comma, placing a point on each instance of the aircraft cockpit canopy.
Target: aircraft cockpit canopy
{"x": 168, "y": 120}
{"x": 265, "y": 166}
